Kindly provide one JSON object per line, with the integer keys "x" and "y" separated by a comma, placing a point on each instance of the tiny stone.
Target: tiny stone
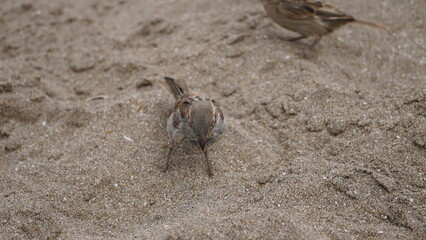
{"x": 363, "y": 122}
{"x": 264, "y": 179}
{"x": 290, "y": 108}
{"x": 3, "y": 134}
{"x": 299, "y": 95}
{"x": 26, "y": 6}
{"x": 5, "y": 87}
{"x": 81, "y": 91}
{"x": 13, "y": 146}
{"x": 336, "y": 127}
{"x": 274, "y": 109}
{"x": 81, "y": 64}
{"x": 352, "y": 194}
{"x": 143, "y": 83}
{"x": 258, "y": 199}
{"x": 235, "y": 39}
{"x": 419, "y": 142}
{"x": 233, "y": 53}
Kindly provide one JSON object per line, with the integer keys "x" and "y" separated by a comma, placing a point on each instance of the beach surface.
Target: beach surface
{"x": 330, "y": 147}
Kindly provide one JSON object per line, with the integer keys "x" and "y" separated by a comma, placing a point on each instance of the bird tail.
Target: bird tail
{"x": 371, "y": 24}
{"x": 176, "y": 87}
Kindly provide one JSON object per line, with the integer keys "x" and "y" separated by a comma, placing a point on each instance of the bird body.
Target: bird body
{"x": 309, "y": 18}
{"x": 195, "y": 119}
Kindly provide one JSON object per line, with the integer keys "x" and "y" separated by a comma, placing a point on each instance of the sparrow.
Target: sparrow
{"x": 195, "y": 119}
{"x": 309, "y": 18}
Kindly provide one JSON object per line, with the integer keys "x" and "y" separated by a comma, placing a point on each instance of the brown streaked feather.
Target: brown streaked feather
{"x": 176, "y": 87}
{"x": 181, "y": 110}
{"x": 310, "y": 9}
{"x": 296, "y": 10}
{"x": 176, "y": 120}
{"x": 217, "y": 109}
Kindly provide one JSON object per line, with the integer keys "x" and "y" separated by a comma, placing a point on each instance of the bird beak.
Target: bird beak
{"x": 203, "y": 142}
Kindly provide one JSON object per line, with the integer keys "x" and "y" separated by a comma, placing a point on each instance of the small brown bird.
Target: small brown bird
{"x": 195, "y": 119}
{"x": 310, "y": 18}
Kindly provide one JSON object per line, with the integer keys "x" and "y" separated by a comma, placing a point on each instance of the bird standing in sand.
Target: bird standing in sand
{"x": 195, "y": 119}
{"x": 309, "y": 18}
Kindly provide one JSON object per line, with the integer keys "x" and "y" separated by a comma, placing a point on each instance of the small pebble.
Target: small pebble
{"x": 264, "y": 179}
{"x": 5, "y": 87}
{"x": 143, "y": 83}
{"x": 336, "y": 127}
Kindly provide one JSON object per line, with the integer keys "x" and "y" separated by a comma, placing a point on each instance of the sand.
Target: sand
{"x": 330, "y": 147}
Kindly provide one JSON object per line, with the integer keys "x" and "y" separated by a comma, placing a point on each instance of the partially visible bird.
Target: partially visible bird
{"x": 195, "y": 119}
{"x": 309, "y": 18}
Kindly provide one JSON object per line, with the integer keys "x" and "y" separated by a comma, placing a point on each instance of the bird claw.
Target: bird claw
{"x": 307, "y": 54}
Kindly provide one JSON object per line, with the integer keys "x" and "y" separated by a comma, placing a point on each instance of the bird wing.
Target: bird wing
{"x": 329, "y": 12}
{"x": 306, "y": 9}
{"x": 217, "y": 111}
{"x": 181, "y": 110}
{"x": 299, "y": 9}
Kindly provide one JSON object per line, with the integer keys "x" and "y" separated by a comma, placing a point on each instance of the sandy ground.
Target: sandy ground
{"x": 332, "y": 147}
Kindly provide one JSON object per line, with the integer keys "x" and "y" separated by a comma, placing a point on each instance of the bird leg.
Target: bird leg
{"x": 307, "y": 52}
{"x": 315, "y": 42}
{"x": 171, "y": 147}
{"x": 209, "y": 168}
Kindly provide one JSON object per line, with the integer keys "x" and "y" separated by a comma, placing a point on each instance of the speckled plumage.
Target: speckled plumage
{"x": 309, "y": 18}
{"x": 195, "y": 119}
